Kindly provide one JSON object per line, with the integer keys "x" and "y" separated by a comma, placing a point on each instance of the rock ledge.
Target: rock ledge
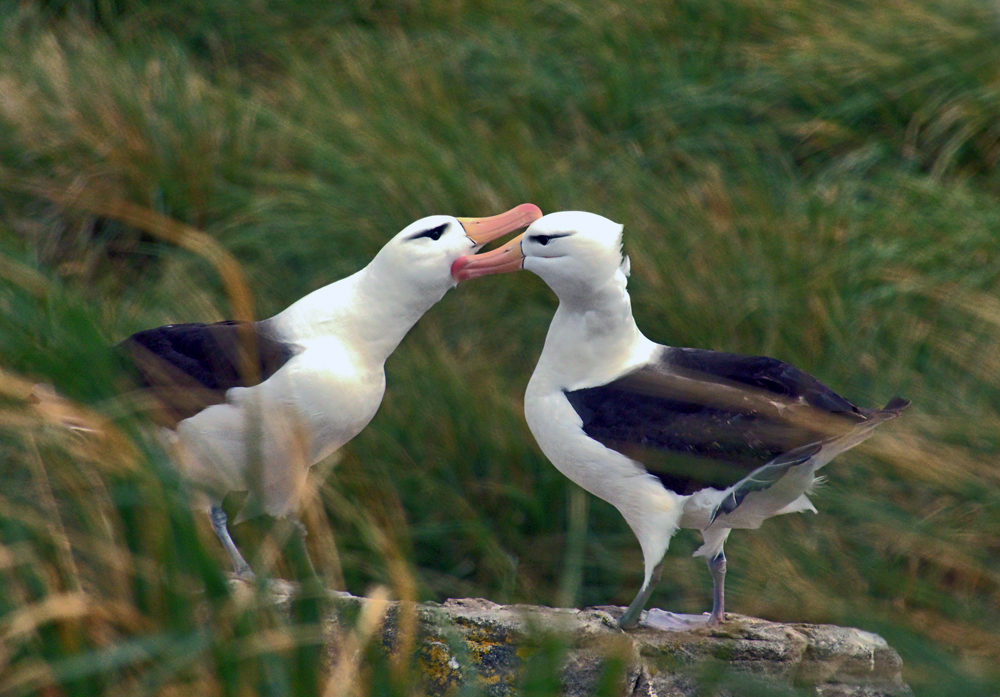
{"x": 485, "y": 646}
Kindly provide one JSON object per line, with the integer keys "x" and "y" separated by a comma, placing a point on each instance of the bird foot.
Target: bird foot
{"x": 244, "y": 575}
{"x": 281, "y": 587}
{"x": 672, "y": 621}
{"x": 277, "y": 586}
{"x": 716, "y": 620}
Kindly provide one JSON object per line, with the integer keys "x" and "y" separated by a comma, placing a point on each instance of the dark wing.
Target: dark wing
{"x": 698, "y": 418}
{"x": 188, "y": 367}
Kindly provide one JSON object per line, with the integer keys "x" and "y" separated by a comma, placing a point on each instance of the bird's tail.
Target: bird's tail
{"x": 862, "y": 431}
{"x": 816, "y": 454}
{"x": 892, "y": 410}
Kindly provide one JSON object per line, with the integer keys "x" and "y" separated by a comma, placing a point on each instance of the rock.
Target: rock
{"x": 492, "y": 647}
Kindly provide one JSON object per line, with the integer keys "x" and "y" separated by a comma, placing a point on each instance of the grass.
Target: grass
{"x": 811, "y": 180}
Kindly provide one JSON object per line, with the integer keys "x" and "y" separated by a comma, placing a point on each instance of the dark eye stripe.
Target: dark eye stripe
{"x": 434, "y": 233}
{"x": 544, "y": 239}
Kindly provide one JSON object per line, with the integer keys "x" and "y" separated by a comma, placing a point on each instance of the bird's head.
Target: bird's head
{"x": 422, "y": 254}
{"x": 571, "y": 250}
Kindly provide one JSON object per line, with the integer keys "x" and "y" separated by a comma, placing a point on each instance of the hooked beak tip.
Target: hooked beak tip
{"x": 504, "y": 259}
{"x": 457, "y": 267}
{"x": 531, "y": 212}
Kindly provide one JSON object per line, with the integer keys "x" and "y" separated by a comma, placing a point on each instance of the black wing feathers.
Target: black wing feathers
{"x": 191, "y": 366}
{"x": 644, "y": 411}
{"x": 761, "y": 372}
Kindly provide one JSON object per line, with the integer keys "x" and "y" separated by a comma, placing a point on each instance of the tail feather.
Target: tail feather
{"x": 896, "y": 404}
{"x": 819, "y": 454}
{"x": 893, "y": 409}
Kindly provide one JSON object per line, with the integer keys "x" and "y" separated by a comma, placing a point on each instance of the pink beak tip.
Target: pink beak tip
{"x": 457, "y": 267}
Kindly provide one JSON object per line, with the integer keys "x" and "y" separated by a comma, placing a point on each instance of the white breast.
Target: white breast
{"x": 332, "y": 389}
{"x": 265, "y": 438}
{"x": 650, "y": 510}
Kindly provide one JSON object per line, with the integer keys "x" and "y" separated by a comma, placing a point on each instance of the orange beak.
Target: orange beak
{"x": 501, "y": 260}
{"x": 483, "y": 230}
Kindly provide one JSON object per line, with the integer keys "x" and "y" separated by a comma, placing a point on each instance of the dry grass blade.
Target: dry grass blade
{"x": 56, "y": 530}
{"x": 170, "y": 230}
{"x": 317, "y": 521}
{"x": 14, "y": 387}
{"x": 23, "y": 276}
{"x": 343, "y": 679}
{"x": 58, "y": 606}
{"x": 167, "y": 229}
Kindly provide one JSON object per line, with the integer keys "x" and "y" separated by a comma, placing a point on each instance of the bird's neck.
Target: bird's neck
{"x": 371, "y": 311}
{"x": 593, "y": 337}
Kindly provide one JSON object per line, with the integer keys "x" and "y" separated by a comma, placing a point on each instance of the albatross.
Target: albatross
{"x": 672, "y": 437}
{"x": 315, "y": 379}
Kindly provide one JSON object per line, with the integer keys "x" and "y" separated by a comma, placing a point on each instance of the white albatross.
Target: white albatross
{"x": 259, "y": 425}
{"x": 672, "y": 437}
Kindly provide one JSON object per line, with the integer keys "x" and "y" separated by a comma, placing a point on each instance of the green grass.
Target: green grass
{"x": 812, "y": 180}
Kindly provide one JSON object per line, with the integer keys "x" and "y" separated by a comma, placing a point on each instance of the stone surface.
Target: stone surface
{"x": 488, "y": 647}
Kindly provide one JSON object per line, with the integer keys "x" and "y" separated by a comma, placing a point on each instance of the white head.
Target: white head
{"x": 420, "y": 257}
{"x": 574, "y": 252}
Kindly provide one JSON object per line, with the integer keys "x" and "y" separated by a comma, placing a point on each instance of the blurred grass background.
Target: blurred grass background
{"x": 817, "y": 181}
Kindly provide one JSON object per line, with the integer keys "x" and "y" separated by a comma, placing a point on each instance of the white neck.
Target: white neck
{"x": 371, "y": 310}
{"x": 593, "y": 337}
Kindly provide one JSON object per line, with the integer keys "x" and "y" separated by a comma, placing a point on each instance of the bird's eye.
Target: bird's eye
{"x": 544, "y": 239}
{"x": 434, "y": 233}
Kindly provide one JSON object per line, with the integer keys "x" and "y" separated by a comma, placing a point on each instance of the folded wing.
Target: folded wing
{"x": 188, "y": 367}
{"x": 697, "y": 418}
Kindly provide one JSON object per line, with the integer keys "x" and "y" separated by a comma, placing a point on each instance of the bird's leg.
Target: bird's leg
{"x": 631, "y": 617}
{"x": 305, "y": 560}
{"x": 218, "y": 518}
{"x": 717, "y": 567}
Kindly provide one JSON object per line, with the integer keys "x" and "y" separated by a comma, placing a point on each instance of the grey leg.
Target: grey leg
{"x": 717, "y": 567}
{"x": 631, "y": 617}
{"x": 218, "y": 517}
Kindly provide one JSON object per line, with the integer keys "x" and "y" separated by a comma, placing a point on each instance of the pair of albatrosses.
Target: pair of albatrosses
{"x": 672, "y": 437}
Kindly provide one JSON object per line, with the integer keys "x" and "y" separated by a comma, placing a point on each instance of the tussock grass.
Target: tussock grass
{"x": 811, "y": 180}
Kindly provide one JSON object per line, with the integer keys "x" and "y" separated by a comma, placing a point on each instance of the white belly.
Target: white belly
{"x": 650, "y": 510}
{"x": 265, "y": 438}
